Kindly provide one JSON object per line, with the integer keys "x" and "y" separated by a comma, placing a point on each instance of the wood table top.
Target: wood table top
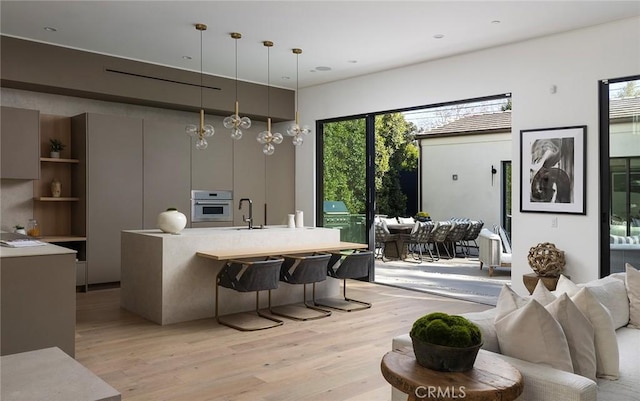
{"x": 226, "y": 254}
{"x": 490, "y": 379}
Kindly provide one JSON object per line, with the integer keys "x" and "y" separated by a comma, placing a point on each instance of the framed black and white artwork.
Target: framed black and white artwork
{"x": 553, "y": 170}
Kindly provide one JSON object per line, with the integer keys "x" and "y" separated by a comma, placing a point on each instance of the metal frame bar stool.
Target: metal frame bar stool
{"x": 343, "y": 266}
{"x": 249, "y": 276}
{"x": 303, "y": 269}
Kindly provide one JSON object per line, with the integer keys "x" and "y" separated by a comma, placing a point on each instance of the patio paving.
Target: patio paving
{"x": 459, "y": 278}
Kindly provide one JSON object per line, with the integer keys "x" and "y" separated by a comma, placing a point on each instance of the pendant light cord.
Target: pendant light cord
{"x": 201, "y": 82}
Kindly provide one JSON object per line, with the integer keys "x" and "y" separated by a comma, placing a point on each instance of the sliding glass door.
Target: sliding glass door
{"x": 620, "y": 173}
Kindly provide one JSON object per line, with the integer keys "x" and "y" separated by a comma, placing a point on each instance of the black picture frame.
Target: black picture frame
{"x": 553, "y": 170}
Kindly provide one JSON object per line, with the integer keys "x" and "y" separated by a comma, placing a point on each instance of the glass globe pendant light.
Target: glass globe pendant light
{"x": 201, "y": 131}
{"x": 267, "y": 138}
{"x": 295, "y": 130}
{"x": 234, "y": 121}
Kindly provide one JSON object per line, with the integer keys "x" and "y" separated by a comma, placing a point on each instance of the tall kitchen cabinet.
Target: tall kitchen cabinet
{"x": 110, "y": 176}
{"x": 20, "y": 143}
{"x": 167, "y": 171}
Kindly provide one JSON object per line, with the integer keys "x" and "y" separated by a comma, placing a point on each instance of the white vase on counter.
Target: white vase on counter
{"x": 299, "y": 219}
{"x": 291, "y": 222}
{"x": 172, "y": 221}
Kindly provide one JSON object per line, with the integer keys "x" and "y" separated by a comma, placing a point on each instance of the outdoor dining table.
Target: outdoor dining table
{"x": 395, "y": 248}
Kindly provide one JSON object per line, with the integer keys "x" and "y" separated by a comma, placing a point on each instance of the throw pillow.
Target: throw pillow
{"x": 542, "y": 294}
{"x": 605, "y": 341}
{"x": 530, "y": 333}
{"x": 633, "y": 292}
{"x": 579, "y": 333}
{"x": 566, "y": 285}
{"x": 612, "y": 294}
{"x": 508, "y": 300}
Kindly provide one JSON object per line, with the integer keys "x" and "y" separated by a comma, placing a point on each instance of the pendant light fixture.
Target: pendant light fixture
{"x": 267, "y": 138}
{"x": 295, "y": 130}
{"x": 201, "y": 131}
{"x": 234, "y": 121}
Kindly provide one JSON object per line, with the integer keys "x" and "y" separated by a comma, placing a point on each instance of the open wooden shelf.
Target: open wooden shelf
{"x": 62, "y": 238}
{"x": 52, "y": 199}
{"x": 58, "y": 160}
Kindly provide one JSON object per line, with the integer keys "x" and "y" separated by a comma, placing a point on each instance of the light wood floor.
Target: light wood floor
{"x": 335, "y": 358}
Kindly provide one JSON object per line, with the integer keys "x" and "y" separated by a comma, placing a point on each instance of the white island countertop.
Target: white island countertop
{"x": 40, "y": 250}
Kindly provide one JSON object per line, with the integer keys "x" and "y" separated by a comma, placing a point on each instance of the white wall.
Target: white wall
{"x": 573, "y": 61}
{"x": 473, "y": 195}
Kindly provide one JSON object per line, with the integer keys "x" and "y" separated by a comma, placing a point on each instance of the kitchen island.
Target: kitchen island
{"x": 38, "y": 297}
{"x": 170, "y": 278}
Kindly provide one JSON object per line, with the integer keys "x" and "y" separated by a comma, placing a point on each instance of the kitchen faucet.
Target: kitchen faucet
{"x": 250, "y": 218}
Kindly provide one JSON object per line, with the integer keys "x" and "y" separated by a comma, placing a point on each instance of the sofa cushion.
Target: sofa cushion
{"x": 531, "y": 333}
{"x": 606, "y": 345}
{"x": 542, "y": 294}
{"x": 485, "y": 322}
{"x": 579, "y": 332}
{"x": 633, "y": 293}
{"x": 626, "y": 387}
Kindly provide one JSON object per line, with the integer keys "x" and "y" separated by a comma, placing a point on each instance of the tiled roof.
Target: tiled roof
{"x": 624, "y": 107}
{"x": 473, "y": 124}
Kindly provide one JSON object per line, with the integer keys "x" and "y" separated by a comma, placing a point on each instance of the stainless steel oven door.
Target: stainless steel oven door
{"x": 211, "y": 210}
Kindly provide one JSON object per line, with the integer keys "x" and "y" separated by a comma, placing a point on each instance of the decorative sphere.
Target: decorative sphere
{"x": 245, "y": 122}
{"x": 208, "y": 130}
{"x": 172, "y": 221}
{"x": 201, "y": 144}
{"x": 546, "y": 260}
{"x": 191, "y": 130}
{"x": 229, "y": 122}
{"x": 277, "y": 138}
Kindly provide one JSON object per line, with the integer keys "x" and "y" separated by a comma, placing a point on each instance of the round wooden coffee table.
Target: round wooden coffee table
{"x": 490, "y": 379}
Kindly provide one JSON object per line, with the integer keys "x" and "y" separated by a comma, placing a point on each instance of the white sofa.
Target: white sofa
{"x": 543, "y": 383}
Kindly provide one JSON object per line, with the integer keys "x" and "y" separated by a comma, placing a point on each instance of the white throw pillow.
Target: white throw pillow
{"x": 530, "y": 333}
{"x": 633, "y": 292}
{"x": 542, "y": 294}
{"x": 565, "y": 285}
{"x": 605, "y": 341}
{"x": 612, "y": 294}
{"x": 508, "y": 300}
{"x": 580, "y": 335}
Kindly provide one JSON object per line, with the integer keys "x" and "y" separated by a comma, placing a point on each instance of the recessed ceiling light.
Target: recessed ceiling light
{"x": 323, "y": 68}
{"x": 352, "y": 61}
{"x": 495, "y": 21}
{"x": 312, "y": 70}
{"x": 438, "y": 36}
{"x": 186, "y": 57}
{"x": 50, "y": 29}
{"x": 285, "y": 77}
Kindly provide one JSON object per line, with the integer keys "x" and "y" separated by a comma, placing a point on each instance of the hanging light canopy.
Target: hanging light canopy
{"x": 295, "y": 130}
{"x": 234, "y": 121}
{"x": 267, "y": 138}
{"x": 201, "y": 131}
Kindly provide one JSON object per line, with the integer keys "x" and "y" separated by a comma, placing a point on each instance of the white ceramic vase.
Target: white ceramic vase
{"x": 172, "y": 221}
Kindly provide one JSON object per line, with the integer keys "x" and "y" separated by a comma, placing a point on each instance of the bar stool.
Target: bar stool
{"x": 303, "y": 269}
{"x": 344, "y": 266}
{"x": 249, "y": 276}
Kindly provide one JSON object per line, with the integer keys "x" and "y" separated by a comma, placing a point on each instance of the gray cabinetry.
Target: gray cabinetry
{"x": 20, "y": 144}
{"x": 212, "y": 168}
{"x": 167, "y": 170}
{"x": 280, "y": 192}
{"x": 114, "y": 192}
{"x": 249, "y": 178}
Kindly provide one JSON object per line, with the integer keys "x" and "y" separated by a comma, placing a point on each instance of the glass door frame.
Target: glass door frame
{"x": 369, "y": 174}
{"x": 605, "y": 173}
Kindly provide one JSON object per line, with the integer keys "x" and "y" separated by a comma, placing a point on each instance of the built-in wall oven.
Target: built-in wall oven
{"x": 211, "y": 206}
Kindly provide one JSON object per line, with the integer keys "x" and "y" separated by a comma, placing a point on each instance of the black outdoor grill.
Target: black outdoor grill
{"x": 351, "y": 226}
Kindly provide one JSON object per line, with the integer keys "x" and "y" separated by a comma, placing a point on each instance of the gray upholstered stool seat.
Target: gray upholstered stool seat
{"x": 303, "y": 269}
{"x": 344, "y": 266}
{"x": 249, "y": 276}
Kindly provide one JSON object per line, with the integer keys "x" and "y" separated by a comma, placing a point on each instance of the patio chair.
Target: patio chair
{"x": 382, "y": 237}
{"x": 249, "y": 276}
{"x": 439, "y": 235}
{"x": 472, "y": 234}
{"x": 458, "y": 231}
{"x": 418, "y": 239}
{"x": 406, "y": 220}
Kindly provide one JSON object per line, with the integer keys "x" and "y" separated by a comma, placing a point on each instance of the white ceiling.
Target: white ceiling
{"x": 351, "y": 37}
